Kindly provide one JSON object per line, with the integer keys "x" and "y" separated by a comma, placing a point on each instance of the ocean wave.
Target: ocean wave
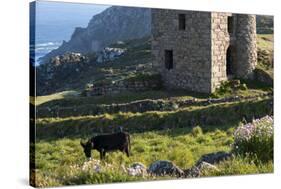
{"x": 41, "y": 49}
{"x": 48, "y": 44}
{"x": 45, "y": 47}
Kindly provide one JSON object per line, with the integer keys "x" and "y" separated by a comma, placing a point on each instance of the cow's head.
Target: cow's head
{"x": 87, "y": 147}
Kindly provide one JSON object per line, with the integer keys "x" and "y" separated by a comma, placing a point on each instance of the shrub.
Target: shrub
{"x": 228, "y": 141}
{"x": 144, "y": 77}
{"x": 229, "y": 87}
{"x": 181, "y": 157}
{"x": 196, "y": 131}
{"x": 255, "y": 139}
{"x": 204, "y": 139}
{"x": 240, "y": 165}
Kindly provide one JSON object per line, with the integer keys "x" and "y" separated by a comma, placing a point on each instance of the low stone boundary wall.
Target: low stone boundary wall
{"x": 137, "y": 106}
{"x": 134, "y": 84}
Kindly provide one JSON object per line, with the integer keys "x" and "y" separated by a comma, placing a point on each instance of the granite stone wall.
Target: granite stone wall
{"x": 221, "y": 40}
{"x": 205, "y": 50}
{"x": 246, "y": 45}
{"x": 191, "y": 49}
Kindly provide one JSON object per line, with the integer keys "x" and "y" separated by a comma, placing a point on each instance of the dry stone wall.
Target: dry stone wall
{"x": 124, "y": 86}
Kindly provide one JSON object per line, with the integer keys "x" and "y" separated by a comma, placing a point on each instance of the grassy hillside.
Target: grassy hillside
{"x": 266, "y": 53}
{"x": 182, "y": 127}
{"x": 53, "y": 78}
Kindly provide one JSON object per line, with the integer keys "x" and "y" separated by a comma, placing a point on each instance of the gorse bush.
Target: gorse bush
{"x": 255, "y": 139}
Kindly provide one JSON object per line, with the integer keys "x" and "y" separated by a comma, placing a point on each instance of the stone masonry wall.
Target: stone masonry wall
{"x": 246, "y": 45}
{"x": 220, "y": 44}
{"x": 200, "y": 51}
{"x": 191, "y": 49}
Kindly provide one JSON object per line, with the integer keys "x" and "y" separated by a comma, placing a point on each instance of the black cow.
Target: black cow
{"x": 107, "y": 143}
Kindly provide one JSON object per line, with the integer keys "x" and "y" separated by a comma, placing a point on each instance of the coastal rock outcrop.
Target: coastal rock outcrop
{"x": 114, "y": 24}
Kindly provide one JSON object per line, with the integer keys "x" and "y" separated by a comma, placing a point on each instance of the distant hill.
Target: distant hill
{"x": 113, "y": 24}
{"x": 264, "y": 24}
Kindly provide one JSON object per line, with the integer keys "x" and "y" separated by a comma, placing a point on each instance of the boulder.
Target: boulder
{"x": 213, "y": 158}
{"x": 108, "y": 54}
{"x": 137, "y": 169}
{"x": 164, "y": 167}
{"x": 197, "y": 171}
{"x": 92, "y": 164}
{"x": 263, "y": 76}
{"x": 204, "y": 166}
{"x": 192, "y": 172}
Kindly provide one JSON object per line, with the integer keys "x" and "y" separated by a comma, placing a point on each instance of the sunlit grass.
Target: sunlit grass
{"x": 55, "y": 159}
{"x": 265, "y": 41}
{"x": 55, "y": 96}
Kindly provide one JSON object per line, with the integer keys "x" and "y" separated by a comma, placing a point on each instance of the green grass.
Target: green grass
{"x": 56, "y": 96}
{"x": 265, "y": 44}
{"x": 59, "y": 162}
{"x": 182, "y": 135}
{"x": 265, "y": 41}
{"x": 139, "y": 122}
{"x": 241, "y": 166}
{"x": 59, "y": 101}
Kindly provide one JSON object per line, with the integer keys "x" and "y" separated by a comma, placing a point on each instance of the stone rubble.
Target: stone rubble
{"x": 109, "y": 54}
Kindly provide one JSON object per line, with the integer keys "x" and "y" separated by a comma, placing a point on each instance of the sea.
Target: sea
{"x": 56, "y": 21}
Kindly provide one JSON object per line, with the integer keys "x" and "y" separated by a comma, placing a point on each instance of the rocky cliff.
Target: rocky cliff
{"x": 114, "y": 24}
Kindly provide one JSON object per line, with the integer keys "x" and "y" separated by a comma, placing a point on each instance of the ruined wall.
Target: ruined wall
{"x": 206, "y": 50}
{"x": 241, "y": 42}
{"x": 191, "y": 49}
{"x": 246, "y": 45}
{"x": 220, "y": 43}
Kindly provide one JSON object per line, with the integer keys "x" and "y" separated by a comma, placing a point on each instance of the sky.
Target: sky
{"x": 56, "y": 21}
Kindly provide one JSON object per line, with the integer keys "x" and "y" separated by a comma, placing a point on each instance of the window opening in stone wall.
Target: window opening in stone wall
{"x": 169, "y": 64}
{"x": 230, "y": 24}
{"x": 229, "y": 62}
{"x": 181, "y": 21}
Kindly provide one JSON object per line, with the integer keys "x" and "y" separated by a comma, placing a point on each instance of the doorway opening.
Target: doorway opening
{"x": 229, "y": 62}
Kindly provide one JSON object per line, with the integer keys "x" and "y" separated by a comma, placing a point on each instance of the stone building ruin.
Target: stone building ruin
{"x": 198, "y": 50}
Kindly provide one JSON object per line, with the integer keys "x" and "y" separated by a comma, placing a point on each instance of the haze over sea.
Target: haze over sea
{"x": 56, "y": 21}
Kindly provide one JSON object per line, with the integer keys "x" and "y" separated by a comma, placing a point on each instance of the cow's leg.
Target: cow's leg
{"x": 127, "y": 151}
{"x": 101, "y": 154}
{"x": 104, "y": 154}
